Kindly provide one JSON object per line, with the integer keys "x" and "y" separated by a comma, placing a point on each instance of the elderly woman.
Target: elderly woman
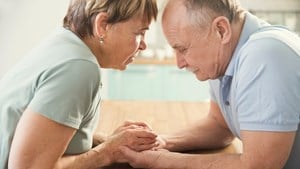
{"x": 48, "y": 102}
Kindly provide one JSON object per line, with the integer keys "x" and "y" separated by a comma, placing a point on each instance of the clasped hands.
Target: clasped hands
{"x": 134, "y": 143}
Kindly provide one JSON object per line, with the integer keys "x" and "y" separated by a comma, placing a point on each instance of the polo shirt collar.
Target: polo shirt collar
{"x": 251, "y": 25}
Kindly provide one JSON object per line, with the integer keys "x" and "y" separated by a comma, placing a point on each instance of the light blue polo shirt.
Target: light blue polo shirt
{"x": 60, "y": 79}
{"x": 260, "y": 90}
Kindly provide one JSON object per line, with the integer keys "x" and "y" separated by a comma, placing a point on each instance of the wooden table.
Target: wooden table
{"x": 163, "y": 116}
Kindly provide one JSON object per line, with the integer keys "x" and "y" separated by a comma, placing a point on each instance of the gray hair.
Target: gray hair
{"x": 82, "y": 13}
{"x": 203, "y": 11}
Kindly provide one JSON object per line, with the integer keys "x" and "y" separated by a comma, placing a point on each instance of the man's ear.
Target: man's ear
{"x": 222, "y": 27}
{"x": 100, "y": 24}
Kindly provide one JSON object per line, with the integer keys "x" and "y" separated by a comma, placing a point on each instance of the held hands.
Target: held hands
{"x": 144, "y": 159}
{"x": 147, "y": 158}
{"x": 137, "y": 136}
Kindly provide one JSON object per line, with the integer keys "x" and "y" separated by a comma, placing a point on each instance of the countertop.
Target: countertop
{"x": 163, "y": 116}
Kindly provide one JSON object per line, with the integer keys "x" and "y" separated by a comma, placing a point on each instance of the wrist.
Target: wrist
{"x": 169, "y": 142}
{"x": 99, "y": 138}
{"x": 103, "y": 154}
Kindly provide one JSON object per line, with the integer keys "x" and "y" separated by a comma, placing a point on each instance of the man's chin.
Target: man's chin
{"x": 201, "y": 78}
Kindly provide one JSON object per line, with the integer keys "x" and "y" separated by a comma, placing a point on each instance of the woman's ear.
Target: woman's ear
{"x": 222, "y": 27}
{"x": 100, "y": 25}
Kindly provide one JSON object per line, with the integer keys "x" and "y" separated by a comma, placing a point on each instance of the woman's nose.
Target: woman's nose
{"x": 143, "y": 45}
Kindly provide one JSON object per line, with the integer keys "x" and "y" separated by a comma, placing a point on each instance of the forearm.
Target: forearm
{"x": 205, "y": 134}
{"x": 256, "y": 147}
{"x": 95, "y": 158}
{"x": 187, "y": 161}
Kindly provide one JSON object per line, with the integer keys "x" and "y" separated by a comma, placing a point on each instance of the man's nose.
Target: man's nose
{"x": 181, "y": 63}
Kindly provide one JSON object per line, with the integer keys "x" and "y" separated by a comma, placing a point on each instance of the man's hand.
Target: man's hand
{"x": 160, "y": 143}
{"x": 144, "y": 159}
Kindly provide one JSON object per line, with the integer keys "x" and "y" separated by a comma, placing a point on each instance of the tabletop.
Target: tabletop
{"x": 163, "y": 116}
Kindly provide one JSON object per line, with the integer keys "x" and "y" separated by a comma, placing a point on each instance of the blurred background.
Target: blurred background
{"x": 152, "y": 76}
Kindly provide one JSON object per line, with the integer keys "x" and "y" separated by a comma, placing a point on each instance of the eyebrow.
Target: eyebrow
{"x": 144, "y": 28}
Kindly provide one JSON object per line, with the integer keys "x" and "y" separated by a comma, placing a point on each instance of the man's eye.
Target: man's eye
{"x": 182, "y": 50}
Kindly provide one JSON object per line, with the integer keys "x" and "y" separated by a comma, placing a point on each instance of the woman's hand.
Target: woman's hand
{"x": 136, "y": 135}
{"x": 98, "y": 138}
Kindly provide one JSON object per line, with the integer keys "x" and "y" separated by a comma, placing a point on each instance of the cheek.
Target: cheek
{"x": 132, "y": 45}
{"x": 195, "y": 57}
{"x": 126, "y": 49}
{"x": 202, "y": 58}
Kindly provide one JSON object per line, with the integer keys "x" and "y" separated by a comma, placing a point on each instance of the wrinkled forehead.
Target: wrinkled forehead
{"x": 174, "y": 17}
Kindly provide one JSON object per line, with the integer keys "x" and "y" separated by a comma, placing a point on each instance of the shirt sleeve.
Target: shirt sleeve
{"x": 65, "y": 92}
{"x": 268, "y": 87}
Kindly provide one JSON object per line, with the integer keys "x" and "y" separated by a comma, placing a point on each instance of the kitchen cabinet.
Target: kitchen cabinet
{"x": 155, "y": 82}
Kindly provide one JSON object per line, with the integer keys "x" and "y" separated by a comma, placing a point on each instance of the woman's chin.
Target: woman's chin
{"x": 123, "y": 68}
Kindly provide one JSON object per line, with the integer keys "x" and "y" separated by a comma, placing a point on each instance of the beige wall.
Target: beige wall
{"x": 23, "y": 24}
{"x": 285, "y": 5}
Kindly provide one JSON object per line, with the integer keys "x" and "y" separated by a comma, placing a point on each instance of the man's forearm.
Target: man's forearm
{"x": 205, "y": 134}
{"x": 93, "y": 159}
{"x": 188, "y": 161}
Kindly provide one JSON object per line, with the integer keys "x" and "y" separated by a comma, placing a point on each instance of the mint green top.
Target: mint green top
{"x": 60, "y": 79}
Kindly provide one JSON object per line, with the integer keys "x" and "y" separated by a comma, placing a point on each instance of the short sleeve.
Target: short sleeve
{"x": 268, "y": 92}
{"x": 65, "y": 92}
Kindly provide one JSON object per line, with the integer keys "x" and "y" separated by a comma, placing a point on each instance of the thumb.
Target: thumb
{"x": 128, "y": 153}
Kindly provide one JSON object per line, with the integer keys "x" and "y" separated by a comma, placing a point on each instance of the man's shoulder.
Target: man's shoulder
{"x": 276, "y": 34}
{"x": 271, "y": 41}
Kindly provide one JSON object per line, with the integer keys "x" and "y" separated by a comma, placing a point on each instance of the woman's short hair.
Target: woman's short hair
{"x": 82, "y": 13}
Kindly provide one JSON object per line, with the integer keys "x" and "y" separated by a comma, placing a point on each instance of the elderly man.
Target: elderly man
{"x": 253, "y": 70}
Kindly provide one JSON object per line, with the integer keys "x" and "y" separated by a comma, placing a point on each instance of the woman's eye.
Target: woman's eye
{"x": 142, "y": 33}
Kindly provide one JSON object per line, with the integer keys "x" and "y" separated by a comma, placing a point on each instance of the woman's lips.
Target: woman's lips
{"x": 130, "y": 60}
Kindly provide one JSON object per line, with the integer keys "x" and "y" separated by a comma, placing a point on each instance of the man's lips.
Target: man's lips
{"x": 190, "y": 69}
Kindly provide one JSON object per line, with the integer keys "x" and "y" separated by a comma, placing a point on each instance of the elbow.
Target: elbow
{"x": 225, "y": 141}
{"x": 228, "y": 140}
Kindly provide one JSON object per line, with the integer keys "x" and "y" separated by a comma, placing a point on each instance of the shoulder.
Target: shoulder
{"x": 78, "y": 71}
{"x": 276, "y": 47}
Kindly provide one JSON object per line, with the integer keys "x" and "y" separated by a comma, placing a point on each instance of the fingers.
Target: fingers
{"x": 139, "y": 139}
{"x": 132, "y": 125}
{"x": 143, "y": 147}
{"x": 140, "y": 136}
{"x": 145, "y": 159}
{"x": 140, "y": 124}
{"x": 141, "y": 133}
{"x": 129, "y": 154}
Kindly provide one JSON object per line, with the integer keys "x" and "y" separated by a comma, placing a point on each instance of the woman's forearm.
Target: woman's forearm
{"x": 93, "y": 159}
